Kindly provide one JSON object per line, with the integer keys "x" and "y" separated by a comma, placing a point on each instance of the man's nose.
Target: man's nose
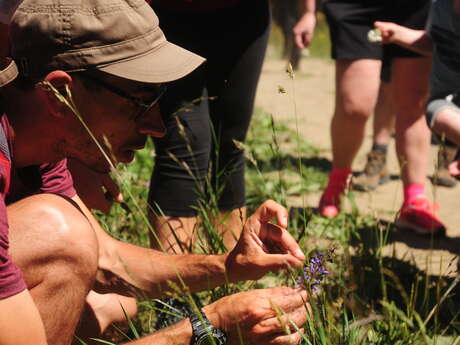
{"x": 152, "y": 124}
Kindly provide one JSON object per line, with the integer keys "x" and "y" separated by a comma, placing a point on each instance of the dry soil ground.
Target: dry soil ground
{"x": 311, "y": 96}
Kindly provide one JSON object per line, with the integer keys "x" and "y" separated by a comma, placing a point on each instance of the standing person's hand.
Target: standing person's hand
{"x": 266, "y": 316}
{"x": 391, "y": 32}
{"x": 264, "y": 247}
{"x": 304, "y": 29}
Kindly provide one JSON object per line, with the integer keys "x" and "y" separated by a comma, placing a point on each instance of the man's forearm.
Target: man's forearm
{"x": 155, "y": 273}
{"x": 132, "y": 270}
{"x": 178, "y": 334}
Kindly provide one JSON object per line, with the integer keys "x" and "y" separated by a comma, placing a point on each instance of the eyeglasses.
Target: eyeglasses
{"x": 143, "y": 105}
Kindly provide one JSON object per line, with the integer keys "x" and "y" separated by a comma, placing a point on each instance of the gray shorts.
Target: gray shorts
{"x": 435, "y": 106}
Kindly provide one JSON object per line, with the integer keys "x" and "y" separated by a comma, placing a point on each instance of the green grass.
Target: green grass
{"x": 368, "y": 298}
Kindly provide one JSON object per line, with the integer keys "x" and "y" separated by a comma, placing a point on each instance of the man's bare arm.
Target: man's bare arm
{"x": 263, "y": 323}
{"x": 128, "y": 269}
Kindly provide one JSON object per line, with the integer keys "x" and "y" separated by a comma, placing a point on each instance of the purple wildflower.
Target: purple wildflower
{"x": 314, "y": 272}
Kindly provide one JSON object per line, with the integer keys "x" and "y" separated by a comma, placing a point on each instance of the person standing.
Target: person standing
{"x": 212, "y": 109}
{"x": 358, "y": 64}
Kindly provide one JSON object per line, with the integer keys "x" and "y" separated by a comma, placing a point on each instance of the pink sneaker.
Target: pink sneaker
{"x": 419, "y": 215}
{"x": 329, "y": 204}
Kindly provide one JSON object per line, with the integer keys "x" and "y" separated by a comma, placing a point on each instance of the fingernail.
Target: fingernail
{"x": 285, "y": 220}
{"x": 300, "y": 254}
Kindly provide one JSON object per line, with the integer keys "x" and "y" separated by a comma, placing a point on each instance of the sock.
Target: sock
{"x": 380, "y": 147}
{"x": 338, "y": 179}
{"x": 335, "y": 187}
{"x": 413, "y": 191}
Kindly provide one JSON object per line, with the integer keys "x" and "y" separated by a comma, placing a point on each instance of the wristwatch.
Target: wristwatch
{"x": 204, "y": 333}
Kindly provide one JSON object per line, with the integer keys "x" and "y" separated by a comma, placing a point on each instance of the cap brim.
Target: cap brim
{"x": 8, "y": 74}
{"x": 167, "y": 63}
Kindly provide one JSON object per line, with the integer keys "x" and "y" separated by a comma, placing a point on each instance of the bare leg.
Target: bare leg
{"x": 56, "y": 249}
{"x": 448, "y": 123}
{"x": 357, "y": 83}
{"x": 178, "y": 234}
{"x": 375, "y": 171}
{"x": 410, "y": 86}
{"x": 173, "y": 234}
{"x": 101, "y": 310}
{"x": 384, "y": 116}
{"x": 230, "y": 226}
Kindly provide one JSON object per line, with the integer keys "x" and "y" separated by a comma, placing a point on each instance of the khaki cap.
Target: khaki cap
{"x": 120, "y": 37}
{"x": 9, "y": 73}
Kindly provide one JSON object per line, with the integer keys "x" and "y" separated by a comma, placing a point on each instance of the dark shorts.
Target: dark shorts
{"x": 351, "y": 20}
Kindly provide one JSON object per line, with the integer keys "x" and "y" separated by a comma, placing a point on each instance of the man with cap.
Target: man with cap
{"x": 112, "y": 57}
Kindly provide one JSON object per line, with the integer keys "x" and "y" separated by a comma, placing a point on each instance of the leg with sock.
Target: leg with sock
{"x": 354, "y": 104}
{"x": 412, "y": 144}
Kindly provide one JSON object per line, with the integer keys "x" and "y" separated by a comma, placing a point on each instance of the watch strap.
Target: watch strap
{"x": 202, "y": 327}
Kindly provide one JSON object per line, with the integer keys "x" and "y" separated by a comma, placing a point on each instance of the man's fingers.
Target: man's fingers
{"x": 299, "y": 41}
{"x": 277, "y": 262}
{"x": 279, "y": 240}
{"x": 285, "y": 323}
{"x": 290, "y": 301}
{"x": 270, "y": 209}
{"x": 287, "y": 339}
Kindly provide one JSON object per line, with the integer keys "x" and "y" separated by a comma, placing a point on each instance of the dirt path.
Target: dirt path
{"x": 313, "y": 92}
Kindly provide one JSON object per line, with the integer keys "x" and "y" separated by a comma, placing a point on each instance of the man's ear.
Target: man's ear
{"x": 59, "y": 79}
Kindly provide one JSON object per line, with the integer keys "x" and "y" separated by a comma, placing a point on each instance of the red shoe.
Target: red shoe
{"x": 419, "y": 215}
{"x": 329, "y": 204}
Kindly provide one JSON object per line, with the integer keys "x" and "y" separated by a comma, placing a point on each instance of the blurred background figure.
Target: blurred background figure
{"x": 286, "y": 13}
{"x": 198, "y": 164}
{"x": 358, "y": 65}
{"x": 375, "y": 171}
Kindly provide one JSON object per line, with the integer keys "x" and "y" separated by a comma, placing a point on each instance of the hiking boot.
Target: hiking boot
{"x": 375, "y": 172}
{"x": 442, "y": 176}
{"x": 419, "y": 216}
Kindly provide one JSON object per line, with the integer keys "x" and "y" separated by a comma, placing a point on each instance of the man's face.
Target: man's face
{"x": 110, "y": 107}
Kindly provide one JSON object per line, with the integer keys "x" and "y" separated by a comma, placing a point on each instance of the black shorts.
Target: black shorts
{"x": 351, "y": 20}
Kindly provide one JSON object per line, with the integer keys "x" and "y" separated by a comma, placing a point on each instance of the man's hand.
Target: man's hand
{"x": 98, "y": 191}
{"x": 304, "y": 29}
{"x": 267, "y": 316}
{"x": 263, "y": 246}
